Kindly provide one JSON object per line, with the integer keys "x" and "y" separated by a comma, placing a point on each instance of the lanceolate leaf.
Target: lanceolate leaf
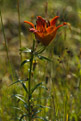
{"x": 18, "y": 95}
{"x": 19, "y": 98}
{"x": 14, "y": 82}
{"x": 44, "y": 58}
{"x": 36, "y": 113}
{"x": 22, "y": 49}
{"x": 26, "y": 106}
{"x": 25, "y": 50}
{"x": 24, "y": 87}
{"x": 18, "y": 109}
{"x": 44, "y": 119}
{"x": 41, "y": 106}
{"x": 40, "y": 51}
{"x": 24, "y": 62}
{"x": 36, "y": 86}
{"x": 21, "y": 81}
{"x": 22, "y": 117}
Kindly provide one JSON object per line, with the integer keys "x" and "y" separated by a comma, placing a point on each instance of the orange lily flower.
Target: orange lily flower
{"x": 45, "y": 32}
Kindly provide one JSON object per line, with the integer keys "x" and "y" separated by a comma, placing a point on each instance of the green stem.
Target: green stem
{"x": 65, "y": 105}
{"x": 6, "y": 47}
{"x": 4, "y": 37}
{"x": 29, "y": 83}
{"x": 19, "y": 26}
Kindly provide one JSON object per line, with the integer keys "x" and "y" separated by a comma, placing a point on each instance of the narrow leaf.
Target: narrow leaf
{"x": 22, "y": 117}
{"x": 24, "y": 62}
{"x": 26, "y": 106}
{"x": 36, "y": 113}
{"x": 22, "y": 49}
{"x": 40, "y": 51}
{"x": 19, "y": 98}
{"x": 21, "y": 81}
{"x": 24, "y": 87}
{"x": 18, "y": 95}
{"x": 41, "y": 106}
{"x": 36, "y": 86}
{"x": 18, "y": 81}
{"x": 14, "y": 82}
{"x": 25, "y": 50}
{"x": 44, "y": 58}
{"x": 44, "y": 119}
{"x": 18, "y": 108}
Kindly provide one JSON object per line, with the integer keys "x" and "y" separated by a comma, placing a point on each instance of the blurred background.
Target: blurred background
{"x": 62, "y": 77}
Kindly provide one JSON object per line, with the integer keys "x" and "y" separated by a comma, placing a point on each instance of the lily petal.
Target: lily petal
{"x": 53, "y": 21}
{"x": 50, "y": 29}
{"x": 61, "y": 25}
{"x": 33, "y": 30}
{"x": 31, "y": 24}
{"x": 40, "y": 24}
{"x": 45, "y": 38}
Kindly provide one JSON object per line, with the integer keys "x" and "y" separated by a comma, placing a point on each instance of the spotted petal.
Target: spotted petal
{"x": 40, "y": 24}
